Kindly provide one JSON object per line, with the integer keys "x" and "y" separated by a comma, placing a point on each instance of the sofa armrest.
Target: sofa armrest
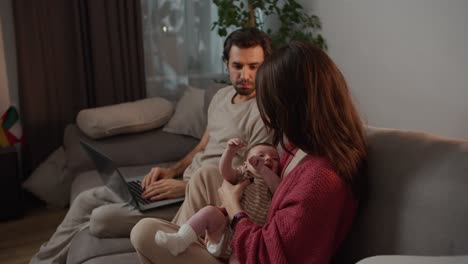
{"x": 150, "y": 147}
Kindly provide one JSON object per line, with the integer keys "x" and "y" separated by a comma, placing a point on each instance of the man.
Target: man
{"x": 232, "y": 113}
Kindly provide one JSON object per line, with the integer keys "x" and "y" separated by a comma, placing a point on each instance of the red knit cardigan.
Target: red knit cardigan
{"x": 310, "y": 214}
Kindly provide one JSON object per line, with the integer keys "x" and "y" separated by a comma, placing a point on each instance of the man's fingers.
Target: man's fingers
{"x": 159, "y": 196}
{"x": 151, "y": 177}
{"x": 156, "y": 187}
{"x": 150, "y": 191}
{"x": 144, "y": 183}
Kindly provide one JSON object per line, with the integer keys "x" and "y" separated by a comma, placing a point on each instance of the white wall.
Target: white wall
{"x": 406, "y": 61}
{"x": 8, "y": 68}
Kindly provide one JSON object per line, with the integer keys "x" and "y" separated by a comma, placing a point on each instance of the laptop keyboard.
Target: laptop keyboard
{"x": 135, "y": 188}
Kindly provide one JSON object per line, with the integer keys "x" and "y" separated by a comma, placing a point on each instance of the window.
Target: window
{"x": 179, "y": 47}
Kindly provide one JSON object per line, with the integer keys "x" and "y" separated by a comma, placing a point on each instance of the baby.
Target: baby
{"x": 261, "y": 159}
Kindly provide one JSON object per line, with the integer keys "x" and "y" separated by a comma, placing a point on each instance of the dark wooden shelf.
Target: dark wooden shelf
{"x": 11, "y": 198}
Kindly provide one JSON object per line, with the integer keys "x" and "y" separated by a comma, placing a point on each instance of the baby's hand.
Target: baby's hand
{"x": 234, "y": 144}
{"x": 256, "y": 165}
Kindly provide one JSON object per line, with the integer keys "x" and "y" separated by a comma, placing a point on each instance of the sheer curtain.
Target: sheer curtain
{"x": 179, "y": 47}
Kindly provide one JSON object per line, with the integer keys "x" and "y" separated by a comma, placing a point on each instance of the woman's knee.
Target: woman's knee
{"x": 141, "y": 232}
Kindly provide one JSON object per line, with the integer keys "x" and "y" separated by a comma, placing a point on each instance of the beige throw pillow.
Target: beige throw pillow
{"x": 50, "y": 181}
{"x": 189, "y": 117}
{"x": 124, "y": 118}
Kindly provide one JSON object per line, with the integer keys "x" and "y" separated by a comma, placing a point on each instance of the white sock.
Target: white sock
{"x": 215, "y": 249}
{"x": 176, "y": 242}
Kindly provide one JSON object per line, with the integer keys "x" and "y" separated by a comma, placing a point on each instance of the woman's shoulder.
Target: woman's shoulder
{"x": 317, "y": 172}
{"x": 316, "y": 184}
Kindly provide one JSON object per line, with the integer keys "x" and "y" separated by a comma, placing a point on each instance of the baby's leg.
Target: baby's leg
{"x": 214, "y": 222}
{"x": 209, "y": 218}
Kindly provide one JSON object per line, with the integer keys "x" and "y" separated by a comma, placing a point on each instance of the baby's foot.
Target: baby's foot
{"x": 173, "y": 242}
{"x": 215, "y": 249}
{"x": 176, "y": 243}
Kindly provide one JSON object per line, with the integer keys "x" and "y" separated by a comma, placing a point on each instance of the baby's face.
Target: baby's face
{"x": 269, "y": 155}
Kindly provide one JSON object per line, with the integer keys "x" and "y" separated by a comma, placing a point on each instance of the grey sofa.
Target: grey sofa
{"x": 416, "y": 204}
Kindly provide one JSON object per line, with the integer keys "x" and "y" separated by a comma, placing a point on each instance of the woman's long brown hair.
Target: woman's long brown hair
{"x": 302, "y": 95}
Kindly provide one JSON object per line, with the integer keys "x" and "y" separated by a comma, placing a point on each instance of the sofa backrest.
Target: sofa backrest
{"x": 417, "y": 197}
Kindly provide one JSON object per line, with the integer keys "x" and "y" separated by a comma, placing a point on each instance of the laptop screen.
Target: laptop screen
{"x": 108, "y": 173}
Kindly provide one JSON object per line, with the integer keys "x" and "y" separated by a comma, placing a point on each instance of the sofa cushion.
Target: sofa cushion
{"x": 50, "y": 181}
{"x": 415, "y": 260}
{"x": 189, "y": 117}
{"x": 123, "y": 258}
{"x": 416, "y": 202}
{"x": 150, "y": 147}
{"x": 85, "y": 247}
{"x": 124, "y": 118}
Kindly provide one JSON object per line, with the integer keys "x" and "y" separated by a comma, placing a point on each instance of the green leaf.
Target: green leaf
{"x": 294, "y": 22}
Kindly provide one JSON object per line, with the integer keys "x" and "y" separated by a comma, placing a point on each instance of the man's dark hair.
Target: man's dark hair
{"x": 247, "y": 38}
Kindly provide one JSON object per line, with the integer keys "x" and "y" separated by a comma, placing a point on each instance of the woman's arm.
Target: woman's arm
{"x": 271, "y": 179}
{"x": 308, "y": 222}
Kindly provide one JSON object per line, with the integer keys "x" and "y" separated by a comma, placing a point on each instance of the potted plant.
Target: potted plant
{"x": 294, "y": 23}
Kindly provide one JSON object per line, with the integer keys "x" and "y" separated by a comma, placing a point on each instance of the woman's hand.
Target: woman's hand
{"x": 256, "y": 166}
{"x": 230, "y": 196}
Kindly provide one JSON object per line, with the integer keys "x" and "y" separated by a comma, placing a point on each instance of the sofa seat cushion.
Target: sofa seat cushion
{"x": 415, "y": 260}
{"x": 124, "y": 258}
{"x": 85, "y": 247}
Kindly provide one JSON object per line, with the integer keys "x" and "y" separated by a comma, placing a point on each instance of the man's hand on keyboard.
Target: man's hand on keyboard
{"x": 156, "y": 174}
{"x": 164, "y": 189}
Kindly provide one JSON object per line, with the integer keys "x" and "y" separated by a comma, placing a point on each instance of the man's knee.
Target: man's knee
{"x": 84, "y": 197}
{"x": 98, "y": 221}
{"x": 205, "y": 174}
{"x": 84, "y": 204}
{"x": 108, "y": 221}
{"x": 113, "y": 220}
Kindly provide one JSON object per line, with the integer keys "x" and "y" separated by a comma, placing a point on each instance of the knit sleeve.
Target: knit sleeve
{"x": 302, "y": 225}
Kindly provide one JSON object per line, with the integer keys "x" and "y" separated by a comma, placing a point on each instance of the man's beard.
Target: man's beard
{"x": 244, "y": 91}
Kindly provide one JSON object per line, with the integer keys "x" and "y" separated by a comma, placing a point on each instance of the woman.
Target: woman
{"x": 304, "y": 99}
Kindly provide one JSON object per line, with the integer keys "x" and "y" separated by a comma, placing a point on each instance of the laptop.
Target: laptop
{"x": 129, "y": 190}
